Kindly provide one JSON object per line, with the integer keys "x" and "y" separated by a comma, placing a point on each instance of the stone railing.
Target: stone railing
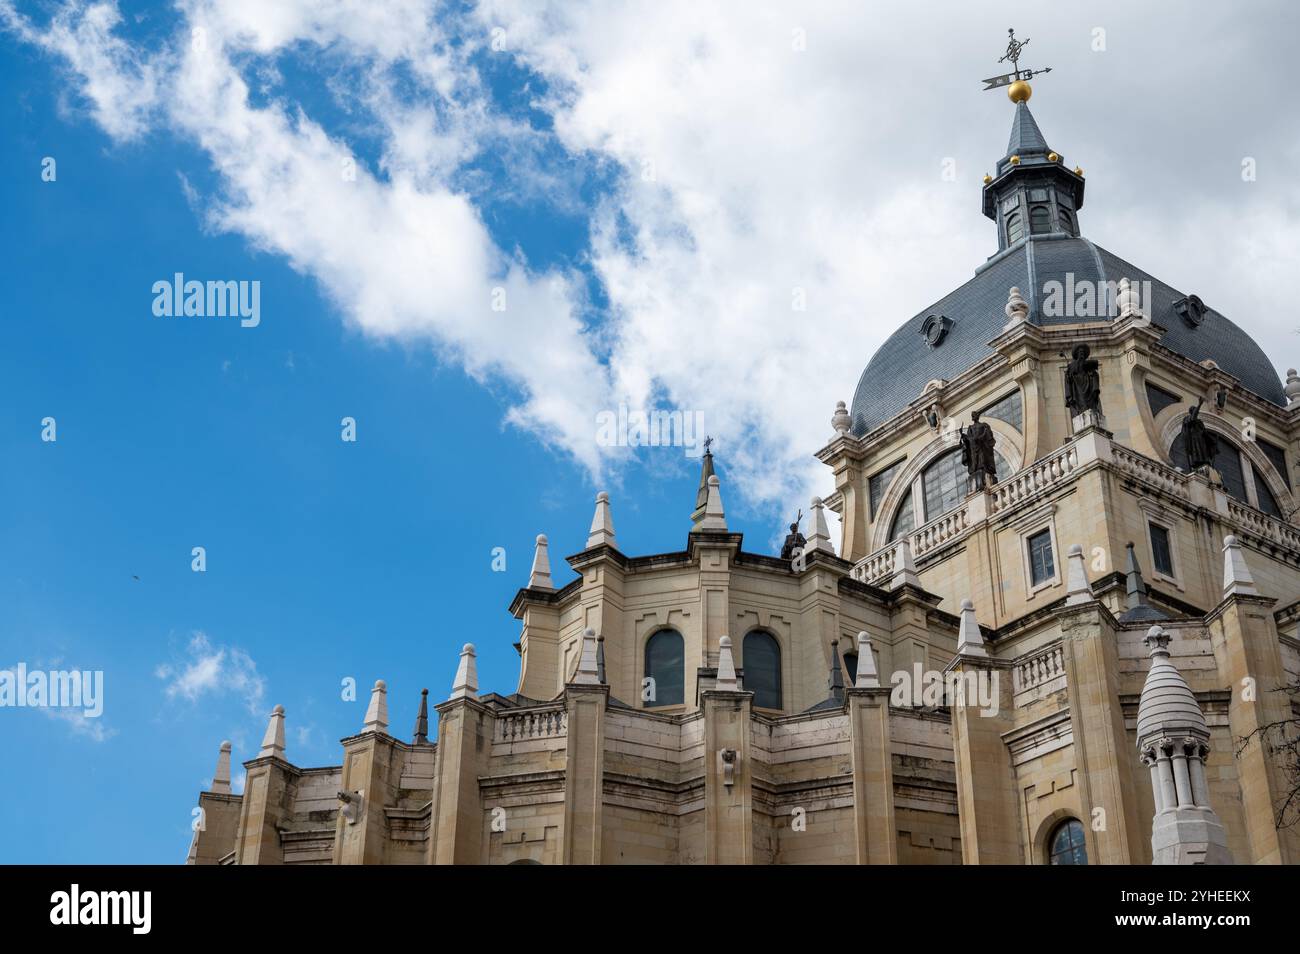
{"x": 1056, "y": 468}
{"x": 1059, "y": 468}
{"x": 881, "y": 565}
{"x": 1040, "y": 667}
{"x": 877, "y": 566}
{"x": 940, "y": 530}
{"x": 1262, "y": 525}
{"x": 529, "y": 724}
{"x": 1151, "y": 472}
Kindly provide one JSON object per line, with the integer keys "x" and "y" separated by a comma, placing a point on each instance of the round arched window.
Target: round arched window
{"x": 665, "y": 669}
{"x": 1066, "y": 846}
{"x": 1039, "y": 220}
{"x": 762, "y": 663}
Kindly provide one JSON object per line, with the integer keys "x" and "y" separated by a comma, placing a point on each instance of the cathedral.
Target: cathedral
{"x": 1059, "y": 614}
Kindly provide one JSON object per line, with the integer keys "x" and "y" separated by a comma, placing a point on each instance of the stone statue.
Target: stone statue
{"x": 794, "y": 540}
{"x": 977, "y": 453}
{"x": 1199, "y": 441}
{"x": 1082, "y": 383}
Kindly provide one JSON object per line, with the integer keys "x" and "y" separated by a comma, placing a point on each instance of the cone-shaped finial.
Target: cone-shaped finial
{"x": 540, "y": 577}
{"x": 588, "y": 673}
{"x": 714, "y": 518}
{"x": 221, "y": 777}
{"x": 904, "y": 566}
{"x": 273, "y": 741}
{"x": 821, "y": 533}
{"x": 1237, "y": 577}
{"x": 465, "y": 685}
{"x": 837, "y": 673}
{"x": 1139, "y": 610}
{"x": 602, "y": 524}
{"x": 866, "y": 676}
{"x": 702, "y": 495}
{"x": 726, "y": 666}
{"x": 377, "y": 711}
{"x": 970, "y": 641}
{"x": 421, "y": 734}
{"x": 1077, "y": 589}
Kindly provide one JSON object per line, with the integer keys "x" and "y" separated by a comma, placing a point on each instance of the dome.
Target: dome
{"x": 1167, "y": 706}
{"x": 907, "y": 361}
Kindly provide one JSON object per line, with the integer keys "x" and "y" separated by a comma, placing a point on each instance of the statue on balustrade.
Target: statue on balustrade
{"x": 1199, "y": 441}
{"x": 977, "y": 453}
{"x": 794, "y": 540}
{"x": 1082, "y": 382}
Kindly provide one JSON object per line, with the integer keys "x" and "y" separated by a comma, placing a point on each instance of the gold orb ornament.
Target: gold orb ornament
{"x": 1078, "y": 171}
{"x": 1019, "y": 92}
{"x": 987, "y": 178}
{"x": 1014, "y": 160}
{"x": 1053, "y": 157}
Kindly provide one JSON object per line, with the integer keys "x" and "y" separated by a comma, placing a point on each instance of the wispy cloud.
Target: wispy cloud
{"x": 211, "y": 669}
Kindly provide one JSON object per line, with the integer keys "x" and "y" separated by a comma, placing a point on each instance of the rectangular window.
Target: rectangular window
{"x": 1041, "y": 565}
{"x": 1161, "y": 553}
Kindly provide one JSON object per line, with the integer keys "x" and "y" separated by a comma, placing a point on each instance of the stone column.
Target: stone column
{"x": 1248, "y": 654}
{"x": 728, "y": 794}
{"x": 987, "y": 796}
{"x": 456, "y": 828}
{"x": 269, "y": 789}
{"x": 1102, "y": 748}
{"x": 371, "y": 765}
{"x": 873, "y": 776}
{"x": 584, "y": 771}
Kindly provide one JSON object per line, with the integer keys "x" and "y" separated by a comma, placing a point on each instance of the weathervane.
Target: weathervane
{"x": 1017, "y": 79}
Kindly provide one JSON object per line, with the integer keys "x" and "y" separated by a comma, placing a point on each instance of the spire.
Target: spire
{"x": 1031, "y": 193}
{"x": 821, "y": 534}
{"x": 602, "y": 524}
{"x": 273, "y": 741}
{"x": 1077, "y": 589}
{"x": 421, "y": 734}
{"x": 377, "y": 711}
{"x": 866, "y": 676}
{"x": 1139, "y": 611}
{"x": 465, "y": 686}
{"x": 1237, "y": 577}
{"x": 540, "y": 577}
{"x": 1026, "y": 137}
{"x": 714, "y": 518}
{"x": 221, "y": 777}
{"x": 726, "y": 667}
{"x": 702, "y": 495}
{"x": 970, "y": 641}
{"x": 837, "y": 674}
{"x": 588, "y": 673}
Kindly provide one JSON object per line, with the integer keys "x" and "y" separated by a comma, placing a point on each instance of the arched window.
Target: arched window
{"x": 1015, "y": 228}
{"x": 946, "y": 482}
{"x": 1231, "y": 465}
{"x": 1066, "y": 846}
{"x": 1040, "y": 220}
{"x": 762, "y": 664}
{"x": 665, "y": 664}
{"x": 1067, "y": 221}
{"x": 904, "y": 519}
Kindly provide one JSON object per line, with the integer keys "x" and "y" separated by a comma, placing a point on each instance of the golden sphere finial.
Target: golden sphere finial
{"x": 987, "y": 178}
{"x": 1019, "y": 92}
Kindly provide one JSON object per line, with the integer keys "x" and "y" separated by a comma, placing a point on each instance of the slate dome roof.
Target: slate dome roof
{"x": 906, "y": 362}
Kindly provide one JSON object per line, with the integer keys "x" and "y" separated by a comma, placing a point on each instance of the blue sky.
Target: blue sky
{"x": 649, "y": 189}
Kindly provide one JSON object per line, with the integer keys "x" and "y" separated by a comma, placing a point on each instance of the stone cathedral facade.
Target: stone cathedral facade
{"x": 1058, "y": 666}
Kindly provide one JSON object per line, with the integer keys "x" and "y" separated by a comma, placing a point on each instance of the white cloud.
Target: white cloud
{"x": 773, "y": 168}
{"x": 81, "y": 724}
{"x": 208, "y": 669}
